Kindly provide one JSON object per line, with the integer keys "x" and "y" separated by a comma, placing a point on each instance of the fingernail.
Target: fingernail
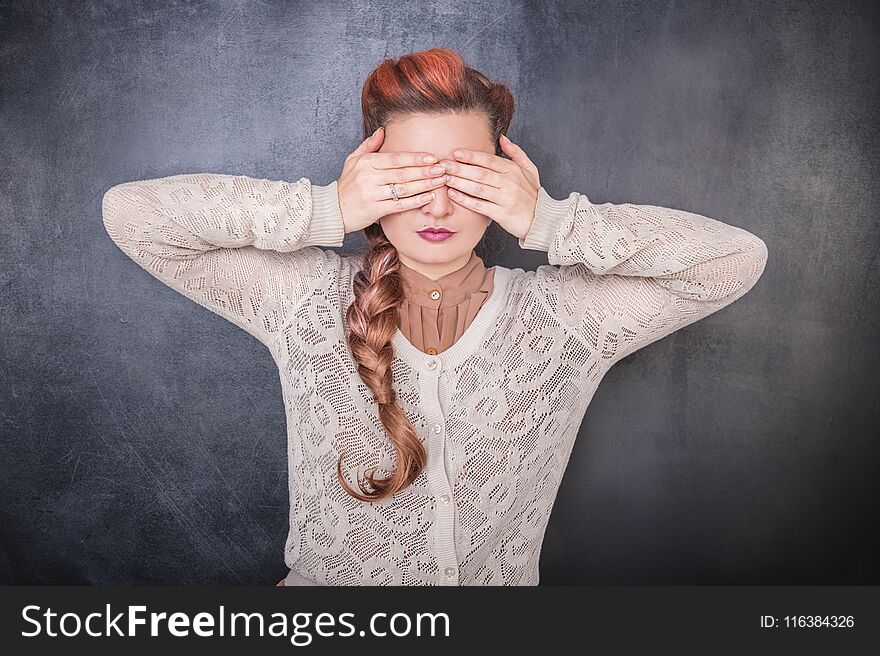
{"x": 458, "y": 153}
{"x": 429, "y": 159}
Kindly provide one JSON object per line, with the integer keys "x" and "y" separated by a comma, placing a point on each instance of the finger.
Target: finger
{"x": 371, "y": 143}
{"x": 412, "y": 188}
{"x": 517, "y": 154}
{"x": 399, "y": 159}
{"x": 476, "y": 173}
{"x": 478, "y": 205}
{"x": 374, "y": 143}
{"x": 392, "y": 206}
{"x": 480, "y": 158}
{"x": 410, "y": 173}
{"x": 476, "y": 190}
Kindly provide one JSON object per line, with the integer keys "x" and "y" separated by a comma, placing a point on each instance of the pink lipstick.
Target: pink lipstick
{"x": 435, "y": 234}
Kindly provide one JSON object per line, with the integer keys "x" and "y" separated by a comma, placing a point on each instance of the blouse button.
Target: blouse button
{"x": 435, "y": 294}
{"x": 449, "y": 571}
{"x": 431, "y": 351}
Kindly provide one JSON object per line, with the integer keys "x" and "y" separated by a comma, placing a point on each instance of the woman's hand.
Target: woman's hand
{"x": 506, "y": 191}
{"x": 363, "y": 191}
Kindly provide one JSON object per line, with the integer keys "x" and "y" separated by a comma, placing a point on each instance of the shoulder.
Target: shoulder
{"x": 530, "y": 285}
{"x": 561, "y": 294}
{"x": 354, "y": 259}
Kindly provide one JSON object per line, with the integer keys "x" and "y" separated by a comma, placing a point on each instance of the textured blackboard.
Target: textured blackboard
{"x": 741, "y": 449}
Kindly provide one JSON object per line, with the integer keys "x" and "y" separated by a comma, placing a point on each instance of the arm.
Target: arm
{"x": 241, "y": 247}
{"x": 629, "y": 275}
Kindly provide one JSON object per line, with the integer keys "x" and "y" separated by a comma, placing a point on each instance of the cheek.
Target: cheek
{"x": 396, "y": 228}
{"x": 474, "y": 219}
{"x": 477, "y": 223}
{"x": 392, "y": 223}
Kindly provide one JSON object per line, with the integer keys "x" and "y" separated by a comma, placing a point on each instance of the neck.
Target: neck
{"x": 435, "y": 270}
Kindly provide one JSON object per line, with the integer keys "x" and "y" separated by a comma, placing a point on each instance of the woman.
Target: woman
{"x": 468, "y": 408}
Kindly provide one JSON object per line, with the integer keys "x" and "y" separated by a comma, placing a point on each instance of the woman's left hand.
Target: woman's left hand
{"x": 504, "y": 190}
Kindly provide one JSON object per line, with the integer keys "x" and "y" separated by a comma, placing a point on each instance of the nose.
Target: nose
{"x": 441, "y": 205}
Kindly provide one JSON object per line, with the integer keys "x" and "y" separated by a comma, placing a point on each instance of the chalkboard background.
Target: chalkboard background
{"x": 143, "y": 438}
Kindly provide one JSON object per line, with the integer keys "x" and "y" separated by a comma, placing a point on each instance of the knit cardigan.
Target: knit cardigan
{"x": 498, "y": 411}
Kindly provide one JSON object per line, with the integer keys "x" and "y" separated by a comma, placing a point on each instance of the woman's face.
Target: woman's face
{"x": 438, "y": 135}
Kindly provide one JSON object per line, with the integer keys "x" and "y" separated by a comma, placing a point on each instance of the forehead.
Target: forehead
{"x": 438, "y": 134}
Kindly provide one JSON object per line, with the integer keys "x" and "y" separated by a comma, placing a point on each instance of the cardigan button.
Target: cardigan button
{"x": 444, "y": 499}
{"x": 431, "y": 363}
{"x": 435, "y": 294}
{"x": 437, "y": 428}
{"x": 449, "y": 571}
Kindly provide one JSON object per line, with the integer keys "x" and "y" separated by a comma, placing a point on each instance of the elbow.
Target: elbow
{"x": 724, "y": 279}
{"x": 750, "y": 268}
{"x": 108, "y": 204}
{"x": 116, "y": 204}
{"x": 113, "y": 213}
{"x": 757, "y": 261}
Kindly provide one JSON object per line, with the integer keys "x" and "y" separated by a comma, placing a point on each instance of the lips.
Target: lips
{"x": 437, "y": 231}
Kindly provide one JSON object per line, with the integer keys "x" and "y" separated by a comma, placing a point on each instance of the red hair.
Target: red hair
{"x": 434, "y": 81}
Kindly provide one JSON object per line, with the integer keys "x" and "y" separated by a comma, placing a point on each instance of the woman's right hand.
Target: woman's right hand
{"x": 364, "y": 197}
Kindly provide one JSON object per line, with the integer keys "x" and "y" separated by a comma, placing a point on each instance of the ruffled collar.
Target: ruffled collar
{"x": 453, "y": 288}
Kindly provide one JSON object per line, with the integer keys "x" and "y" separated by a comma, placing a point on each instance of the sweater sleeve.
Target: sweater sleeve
{"x": 629, "y": 275}
{"x": 241, "y": 247}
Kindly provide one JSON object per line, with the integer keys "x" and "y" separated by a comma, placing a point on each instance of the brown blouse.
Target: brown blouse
{"x": 435, "y": 313}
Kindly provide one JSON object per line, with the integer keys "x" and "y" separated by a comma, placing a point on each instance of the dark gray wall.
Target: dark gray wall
{"x": 741, "y": 449}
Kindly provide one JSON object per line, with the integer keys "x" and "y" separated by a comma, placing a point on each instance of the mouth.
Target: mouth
{"x": 436, "y": 231}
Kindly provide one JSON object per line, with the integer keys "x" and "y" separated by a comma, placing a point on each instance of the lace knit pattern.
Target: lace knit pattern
{"x": 499, "y": 411}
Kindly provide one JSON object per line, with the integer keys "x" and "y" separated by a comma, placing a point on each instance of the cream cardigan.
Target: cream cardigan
{"x": 498, "y": 411}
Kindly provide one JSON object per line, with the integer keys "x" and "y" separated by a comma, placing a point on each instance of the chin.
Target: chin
{"x": 433, "y": 258}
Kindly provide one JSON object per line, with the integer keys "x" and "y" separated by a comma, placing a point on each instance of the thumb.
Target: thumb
{"x": 372, "y": 142}
{"x": 518, "y": 155}
{"x": 513, "y": 151}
